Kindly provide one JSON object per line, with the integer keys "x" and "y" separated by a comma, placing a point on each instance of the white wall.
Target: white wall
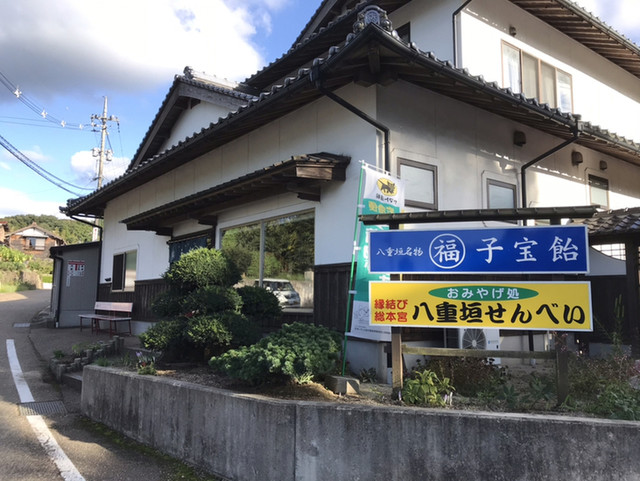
{"x": 323, "y": 126}
{"x": 469, "y": 146}
{"x": 193, "y": 120}
{"x": 603, "y": 93}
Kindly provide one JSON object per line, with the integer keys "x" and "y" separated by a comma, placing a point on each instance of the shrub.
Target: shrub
{"x": 295, "y": 352}
{"x": 208, "y": 334}
{"x": 212, "y": 299}
{"x": 469, "y": 375}
{"x": 200, "y": 268}
{"x": 260, "y": 305}
{"x": 427, "y": 389}
{"x": 166, "y": 336}
{"x": 244, "y": 331}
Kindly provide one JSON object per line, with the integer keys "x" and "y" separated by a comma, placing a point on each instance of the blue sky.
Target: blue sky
{"x": 65, "y": 56}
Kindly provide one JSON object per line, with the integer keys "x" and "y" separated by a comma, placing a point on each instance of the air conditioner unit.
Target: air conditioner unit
{"x": 487, "y": 339}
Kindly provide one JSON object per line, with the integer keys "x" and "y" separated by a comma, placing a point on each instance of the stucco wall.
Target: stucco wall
{"x": 248, "y": 438}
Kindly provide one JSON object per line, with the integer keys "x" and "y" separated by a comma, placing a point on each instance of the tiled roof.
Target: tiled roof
{"x": 169, "y": 111}
{"x": 614, "y": 223}
{"x": 584, "y": 27}
{"x": 339, "y": 67}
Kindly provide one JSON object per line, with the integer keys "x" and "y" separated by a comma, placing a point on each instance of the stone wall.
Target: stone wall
{"x": 249, "y": 438}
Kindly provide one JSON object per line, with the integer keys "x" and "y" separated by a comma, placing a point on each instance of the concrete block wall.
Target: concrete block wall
{"x": 250, "y": 438}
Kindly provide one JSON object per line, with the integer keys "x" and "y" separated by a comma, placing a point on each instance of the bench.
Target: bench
{"x": 111, "y": 312}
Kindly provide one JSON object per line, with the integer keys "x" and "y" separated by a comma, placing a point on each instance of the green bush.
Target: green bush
{"x": 244, "y": 331}
{"x": 259, "y": 305}
{"x": 208, "y": 334}
{"x": 167, "y": 337}
{"x": 201, "y": 268}
{"x": 297, "y": 351}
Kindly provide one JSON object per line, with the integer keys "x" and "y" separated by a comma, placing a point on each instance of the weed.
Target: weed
{"x": 425, "y": 388}
{"x": 146, "y": 364}
{"x": 58, "y": 354}
{"x": 103, "y": 361}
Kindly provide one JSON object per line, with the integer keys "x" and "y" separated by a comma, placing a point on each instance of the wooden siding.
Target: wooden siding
{"x": 142, "y": 297}
{"x": 330, "y": 295}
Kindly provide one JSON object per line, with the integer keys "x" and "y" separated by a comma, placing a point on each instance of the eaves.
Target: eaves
{"x": 371, "y": 56}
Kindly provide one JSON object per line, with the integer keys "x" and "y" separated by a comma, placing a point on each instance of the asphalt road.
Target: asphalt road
{"x": 32, "y": 428}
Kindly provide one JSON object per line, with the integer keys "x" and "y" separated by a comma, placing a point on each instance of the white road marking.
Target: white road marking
{"x": 67, "y": 470}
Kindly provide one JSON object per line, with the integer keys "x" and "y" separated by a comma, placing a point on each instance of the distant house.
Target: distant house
{"x": 4, "y": 229}
{"x": 34, "y": 240}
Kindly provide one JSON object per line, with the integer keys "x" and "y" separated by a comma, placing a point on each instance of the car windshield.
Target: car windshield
{"x": 283, "y": 286}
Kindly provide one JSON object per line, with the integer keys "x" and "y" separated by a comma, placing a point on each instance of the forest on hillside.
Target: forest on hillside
{"x": 72, "y": 231}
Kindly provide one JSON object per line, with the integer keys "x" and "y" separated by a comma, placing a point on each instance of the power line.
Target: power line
{"x": 39, "y": 110}
{"x": 39, "y": 170}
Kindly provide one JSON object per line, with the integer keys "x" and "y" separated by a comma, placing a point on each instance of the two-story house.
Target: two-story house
{"x": 479, "y": 104}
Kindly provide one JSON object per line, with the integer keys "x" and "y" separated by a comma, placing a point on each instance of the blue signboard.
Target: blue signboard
{"x": 522, "y": 250}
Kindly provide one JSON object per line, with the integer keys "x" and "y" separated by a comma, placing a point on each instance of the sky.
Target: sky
{"x": 60, "y": 60}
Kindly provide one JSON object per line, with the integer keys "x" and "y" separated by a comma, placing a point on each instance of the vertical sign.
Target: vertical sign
{"x": 382, "y": 193}
{"x": 74, "y": 269}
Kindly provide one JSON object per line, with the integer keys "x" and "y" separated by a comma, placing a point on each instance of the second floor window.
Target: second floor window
{"x": 526, "y": 74}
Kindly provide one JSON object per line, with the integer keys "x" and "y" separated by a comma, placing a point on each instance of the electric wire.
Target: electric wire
{"x": 41, "y": 111}
{"x": 39, "y": 170}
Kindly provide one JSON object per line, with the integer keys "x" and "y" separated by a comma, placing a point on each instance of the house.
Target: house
{"x": 482, "y": 104}
{"x": 34, "y": 240}
{"x": 4, "y": 230}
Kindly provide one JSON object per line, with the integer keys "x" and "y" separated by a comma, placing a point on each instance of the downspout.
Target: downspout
{"x": 577, "y": 129}
{"x": 455, "y": 31}
{"x": 353, "y": 109}
{"x": 59, "y": 300}
{"x": 523, "y": 170}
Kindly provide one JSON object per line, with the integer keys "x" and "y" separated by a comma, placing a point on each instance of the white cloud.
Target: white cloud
{"x": 622, "y": 15}
{"x": 13, "y": 202}
{"x": 5, "y": 166}
{"x": 84, "y": 166}
{"x": 127, "y": 45}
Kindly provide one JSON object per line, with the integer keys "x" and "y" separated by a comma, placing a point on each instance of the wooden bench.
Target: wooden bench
{"x": 111, "y": 312}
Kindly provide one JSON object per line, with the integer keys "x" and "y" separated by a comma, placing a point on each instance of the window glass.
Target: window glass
{"x": 599, "y": 191}
{"x": 123, "y": 277}
{"x": 131, "y": 261}
{"x": 529, "y": 76}
{"x": 511, "y": 68}
{"x": 287, "y": 255}
{"x": 117, "y": 276}
{"x": 179, "y": 247}
{"x": 420, "y": 184}
{"x": 548, "y": 87}
{"x": 565, "y": 101}
{"x": 501, "y": 195}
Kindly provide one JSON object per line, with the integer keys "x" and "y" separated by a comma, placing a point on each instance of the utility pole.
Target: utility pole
{"x": 101, "y": 153}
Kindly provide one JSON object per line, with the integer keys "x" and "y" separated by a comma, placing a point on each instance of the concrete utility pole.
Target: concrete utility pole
{"x": 101, "y": 153}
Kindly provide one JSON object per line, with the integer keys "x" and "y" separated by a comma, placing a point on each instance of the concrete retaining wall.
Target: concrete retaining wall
{"x": 247, "y": 438}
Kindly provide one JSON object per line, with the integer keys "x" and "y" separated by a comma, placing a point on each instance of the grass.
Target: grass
{"x": 11, "y": 288}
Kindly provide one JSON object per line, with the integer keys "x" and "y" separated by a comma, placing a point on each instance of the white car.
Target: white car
{"x": 283, "y": 290}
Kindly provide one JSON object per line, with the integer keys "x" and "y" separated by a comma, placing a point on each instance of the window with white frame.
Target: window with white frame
{"x": 421, "y": 183}
{"x": 598, "y": 190}
{"x": 500, "y": 195}
{"x": 123, "y": 277}
{"x": 526, "y": 74}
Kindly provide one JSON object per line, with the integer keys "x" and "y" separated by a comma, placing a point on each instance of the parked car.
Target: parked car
{"x": 283, "y": 290}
